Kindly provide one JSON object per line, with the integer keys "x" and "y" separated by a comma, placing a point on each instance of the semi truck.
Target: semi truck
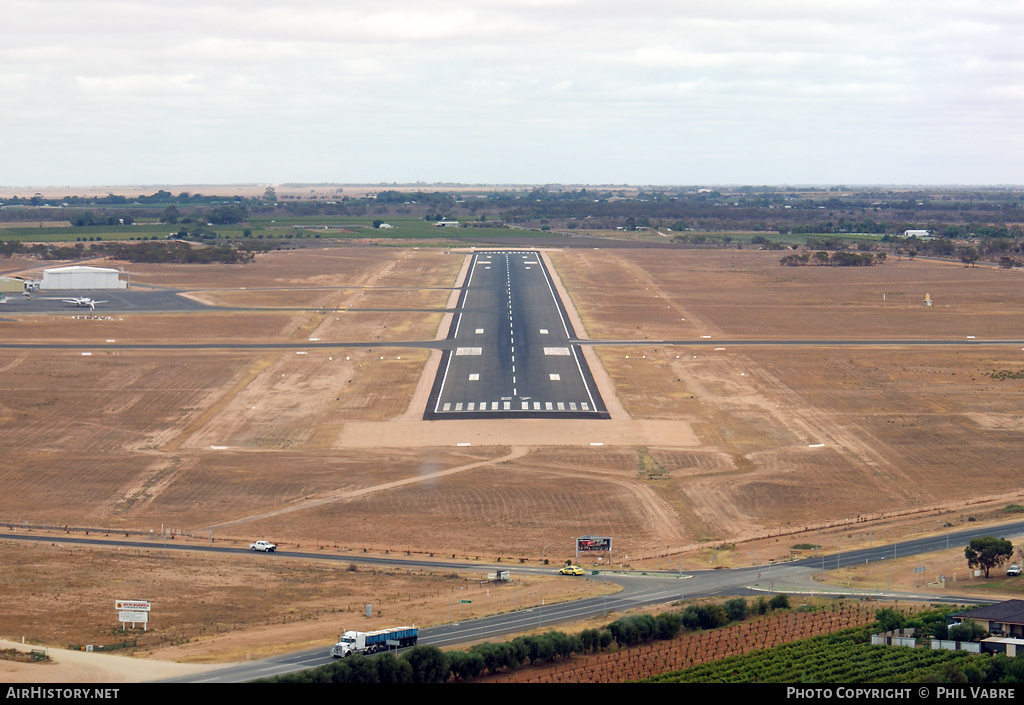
{"x": 372, "y": 642}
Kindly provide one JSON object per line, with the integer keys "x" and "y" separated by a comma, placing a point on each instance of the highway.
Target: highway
{"x": 639, "y": 590}
{"x": 512, "y": 351}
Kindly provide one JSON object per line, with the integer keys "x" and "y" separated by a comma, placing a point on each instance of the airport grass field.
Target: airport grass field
{"x": 720, "y": 450}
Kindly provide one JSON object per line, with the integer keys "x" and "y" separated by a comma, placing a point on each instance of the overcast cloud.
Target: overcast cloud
{"x": 512, "y": 91}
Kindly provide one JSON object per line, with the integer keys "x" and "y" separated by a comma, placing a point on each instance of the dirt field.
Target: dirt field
{"x": 225, "y": 609}
{"x": 758, "y": 447}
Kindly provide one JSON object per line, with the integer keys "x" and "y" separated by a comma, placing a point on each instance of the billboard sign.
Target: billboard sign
{"x": 593, "y": 543}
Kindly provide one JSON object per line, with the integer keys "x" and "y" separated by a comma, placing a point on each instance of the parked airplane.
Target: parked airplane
{"x": 83, "y": 301}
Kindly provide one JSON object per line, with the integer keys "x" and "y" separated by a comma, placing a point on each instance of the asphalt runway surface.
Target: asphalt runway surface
{"x": 511, "y": 351}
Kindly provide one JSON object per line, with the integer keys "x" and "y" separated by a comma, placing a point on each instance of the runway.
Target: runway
{"x": 511, "y": 351}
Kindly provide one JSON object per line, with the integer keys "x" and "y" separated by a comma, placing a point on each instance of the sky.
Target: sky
{"x": 650, "y": 92}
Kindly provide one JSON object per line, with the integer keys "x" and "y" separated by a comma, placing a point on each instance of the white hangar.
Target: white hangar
{"x": 78, "y": 277}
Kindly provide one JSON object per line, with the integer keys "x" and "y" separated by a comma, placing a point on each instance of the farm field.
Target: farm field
{"x": 693, "y": 648}
{"x": 708, "y": 447}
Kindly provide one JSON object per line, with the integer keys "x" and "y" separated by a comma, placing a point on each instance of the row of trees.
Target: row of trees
{"x": 428, "y": 664}
{"x": 144, "y": 251}
{"x": 836, "y": 259}
{"x": 994, "y": 214}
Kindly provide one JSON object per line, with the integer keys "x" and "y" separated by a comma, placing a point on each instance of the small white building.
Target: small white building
{"x": 446, "y": 224}
{"x": 916, "y": 233}
{"x": 79, "y": 277}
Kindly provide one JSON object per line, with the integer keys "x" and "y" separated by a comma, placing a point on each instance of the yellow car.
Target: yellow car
{"x": 571, "y": 570}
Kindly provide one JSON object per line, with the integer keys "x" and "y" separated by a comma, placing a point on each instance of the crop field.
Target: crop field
{"x": 690, "y": 650}
{"x": 717, "y": 442}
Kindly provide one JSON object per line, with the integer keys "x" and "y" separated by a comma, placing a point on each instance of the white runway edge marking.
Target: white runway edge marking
{"x": 469, "y": 351}
{"x": 556, "y": 351}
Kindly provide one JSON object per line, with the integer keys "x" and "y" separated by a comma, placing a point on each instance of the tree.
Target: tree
{"x": 987, "y": 553}
{"x": 889, "y": 619}
{"x": 429, "y": 664}
{"x": 968, "y": 255}
{"x": 966, "y": 631}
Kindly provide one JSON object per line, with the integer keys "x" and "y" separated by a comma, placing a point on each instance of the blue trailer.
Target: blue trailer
{"x": 372, "y": 642}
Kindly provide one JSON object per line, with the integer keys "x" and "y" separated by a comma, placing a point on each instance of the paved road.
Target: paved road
{"x": 639, "y": 590}
{"x": 512, "y": 351}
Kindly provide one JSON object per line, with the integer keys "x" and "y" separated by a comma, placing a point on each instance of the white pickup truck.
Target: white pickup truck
{"x": 264, "y": 546}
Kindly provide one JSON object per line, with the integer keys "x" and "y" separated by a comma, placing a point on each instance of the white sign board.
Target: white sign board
{"x": 123, "y": 616}
{"x": 132, "y": 605}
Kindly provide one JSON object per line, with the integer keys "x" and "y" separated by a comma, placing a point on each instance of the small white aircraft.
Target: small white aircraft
{"x": 83, "y": 301}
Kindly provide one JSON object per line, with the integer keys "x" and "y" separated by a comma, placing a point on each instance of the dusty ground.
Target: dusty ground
{"x": 216, "y": 608}
{"x": 728, "y": 455}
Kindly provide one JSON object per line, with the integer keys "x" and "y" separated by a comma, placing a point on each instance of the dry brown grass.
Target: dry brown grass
{"x": 767, "y": 441}
{"x": 59, "y": 594}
